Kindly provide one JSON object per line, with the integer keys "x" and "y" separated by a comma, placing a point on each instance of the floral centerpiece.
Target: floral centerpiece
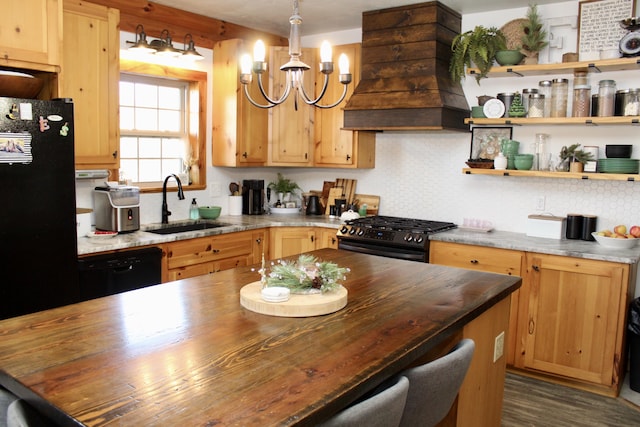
{"x": 306, "y": 275}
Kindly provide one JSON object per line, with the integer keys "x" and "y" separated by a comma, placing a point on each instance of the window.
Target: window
{"x": 161, "y": 124}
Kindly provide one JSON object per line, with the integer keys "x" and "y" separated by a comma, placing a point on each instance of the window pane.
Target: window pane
{"x": 169, "y": 121}
{"x": 126, "y": 93}
{"x": 150, "y": 148}
{"x": 170, "y": 98}
{"x": 150, "y": 170}
{"x": 128, "y": 147}
{"x": 170, "y": 166}
{"x": 130, "y": 169}
{"x": 172, "y": 147}
{"x": 146, "y": 119}
{"x": 126, "y": 118}
{"x": 146, "y": 95}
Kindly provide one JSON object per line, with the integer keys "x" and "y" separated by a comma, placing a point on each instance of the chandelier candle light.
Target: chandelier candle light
{"x": 295, "y": 69}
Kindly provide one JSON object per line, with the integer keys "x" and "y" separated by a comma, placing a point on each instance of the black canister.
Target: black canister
{"x": 594, "y": 105}
{"x": 574, "y": 226}
{"x": 589, "y": 225}
{"x": 507, "y": 99}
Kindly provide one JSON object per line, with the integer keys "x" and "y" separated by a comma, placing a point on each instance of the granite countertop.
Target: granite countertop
{"x": 522, "y": 242}
{"x": 92, "y": 245}
{"x": 495, "y": 239}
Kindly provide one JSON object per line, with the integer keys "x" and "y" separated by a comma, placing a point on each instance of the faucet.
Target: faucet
{"x": 165, "y": 208}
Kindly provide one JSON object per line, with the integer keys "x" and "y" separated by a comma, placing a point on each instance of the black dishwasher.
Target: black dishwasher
{"x": 108, "y": 274}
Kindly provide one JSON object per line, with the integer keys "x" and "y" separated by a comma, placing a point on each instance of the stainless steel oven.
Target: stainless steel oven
{"x": 393, "y": 237}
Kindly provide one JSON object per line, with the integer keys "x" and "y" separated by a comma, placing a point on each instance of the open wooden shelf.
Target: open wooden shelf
{"x": 588, "y": 121}
{"x": 561, "y": 175}
{"x": 618, "y": 64}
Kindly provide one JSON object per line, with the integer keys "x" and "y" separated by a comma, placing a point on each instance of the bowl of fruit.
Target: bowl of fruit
{"x": 619, "y": 238}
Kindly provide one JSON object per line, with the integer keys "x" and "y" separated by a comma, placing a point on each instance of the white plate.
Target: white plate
{"x": 493, "y": 108}
{"x": 285, "y": 210}
{"x": 102, "y": 234}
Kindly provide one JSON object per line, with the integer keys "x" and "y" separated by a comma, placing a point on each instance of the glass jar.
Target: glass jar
{"x": 536, "y": 105}
{"x": 581, "y": 101}
{"x": 526, "y": 94}
{"x": 559, "y": 97}
{"x": 606, "y": 98}
{"x": 544, "y": 88}
{"x": 627, "y": 102}
{"x": 580, "y": 78}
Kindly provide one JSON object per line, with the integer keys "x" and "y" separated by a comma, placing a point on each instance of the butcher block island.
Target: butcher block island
{"x": 187, "y": 353}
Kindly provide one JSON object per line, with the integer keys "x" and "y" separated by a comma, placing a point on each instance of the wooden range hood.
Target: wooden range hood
{"x": 405, "y": 83}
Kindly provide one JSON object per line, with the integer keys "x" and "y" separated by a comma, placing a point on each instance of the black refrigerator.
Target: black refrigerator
{"x": 38, "y": 245}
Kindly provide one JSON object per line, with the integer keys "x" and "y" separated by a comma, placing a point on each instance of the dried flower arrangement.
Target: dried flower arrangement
{"x": 307, "y": 274}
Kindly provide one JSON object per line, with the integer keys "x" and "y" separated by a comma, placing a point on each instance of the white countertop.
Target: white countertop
{"x": 496, "y": 239}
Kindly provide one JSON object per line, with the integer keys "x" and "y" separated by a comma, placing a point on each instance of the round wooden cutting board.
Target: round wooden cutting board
{"x": 296, "y": 306}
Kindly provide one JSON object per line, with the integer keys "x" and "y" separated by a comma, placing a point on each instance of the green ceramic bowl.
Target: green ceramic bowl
{"x": 523, "y": 161}
{"x": 209, "y": 212}
{"x": 509, "y": 57}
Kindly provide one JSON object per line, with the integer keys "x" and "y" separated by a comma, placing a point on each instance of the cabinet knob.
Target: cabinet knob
{"x": 245, "y": 155}
{"x": 312, "y": 238}
{"x": 535, "y": 268}
{"x": 258, "y": 240}
{"x": 115, "y": 154}
{"x": 216, "y": 251}
{"x": 474, "y": 261}
{"x": 348, "y": 157}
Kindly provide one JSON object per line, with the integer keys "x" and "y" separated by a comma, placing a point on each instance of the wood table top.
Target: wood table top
{"x": 187, "y": 353}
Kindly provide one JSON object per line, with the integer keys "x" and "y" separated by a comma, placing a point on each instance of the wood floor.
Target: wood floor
{"x": 529, "y": 402}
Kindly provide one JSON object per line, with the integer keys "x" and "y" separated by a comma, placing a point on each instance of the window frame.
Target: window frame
{"x": 197, "y": 88}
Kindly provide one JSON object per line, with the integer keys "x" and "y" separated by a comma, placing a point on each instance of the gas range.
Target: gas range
{"x": 395, "y": 237}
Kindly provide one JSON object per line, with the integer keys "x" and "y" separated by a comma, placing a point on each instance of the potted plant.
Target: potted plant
{"x": 283, "y": 186}
{"x": 573, "y": 159}
{"x": 477, "y": 48}
{"x": 534, "y": 36}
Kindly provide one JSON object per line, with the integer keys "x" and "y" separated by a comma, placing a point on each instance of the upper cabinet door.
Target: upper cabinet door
{"x": 291, "y": 130}
{"x": 90, "y": 76}
{"x": 31, "y": 34}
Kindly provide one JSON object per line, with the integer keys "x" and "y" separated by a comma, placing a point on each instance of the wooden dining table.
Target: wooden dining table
{"x": 187, "y": 353}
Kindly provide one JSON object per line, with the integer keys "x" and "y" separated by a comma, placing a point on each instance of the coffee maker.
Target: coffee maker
{"x": 253, "y": 197}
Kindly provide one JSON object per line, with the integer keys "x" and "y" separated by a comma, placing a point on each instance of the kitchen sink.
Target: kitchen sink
{"x": 182, "y": 228}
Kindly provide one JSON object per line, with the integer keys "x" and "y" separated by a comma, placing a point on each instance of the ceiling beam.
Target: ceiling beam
{"x": 206, "y": 31}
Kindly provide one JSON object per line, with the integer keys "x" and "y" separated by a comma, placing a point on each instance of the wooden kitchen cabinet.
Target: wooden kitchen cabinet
{"x": 573, "y": 320}
{"x": 492, "y": 260}
{"x": 240, "y": 130}
{"x": 206, "y": 255}
{"x": 334, "y": 146}
{"x": 290, "y": 241}
{"x": 31, "y": 34}
{"x": 291, "y": 124}
{"x": 90, "y": 76}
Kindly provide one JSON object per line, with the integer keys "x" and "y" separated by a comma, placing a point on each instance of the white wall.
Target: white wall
{"x": 418, "y": 174}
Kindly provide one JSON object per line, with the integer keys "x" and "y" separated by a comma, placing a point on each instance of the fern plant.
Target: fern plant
{"x": 477, "y": 48}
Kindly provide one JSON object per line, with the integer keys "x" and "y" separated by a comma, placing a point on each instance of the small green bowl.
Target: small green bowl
{"x": 523, "y": 162}
{"x": 209, "y": 212}
{"x": 509, "y": 57}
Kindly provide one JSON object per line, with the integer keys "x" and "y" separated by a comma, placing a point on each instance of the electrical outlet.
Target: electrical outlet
{"x": 498, "y": 348}
{"x": 540, "y": 203}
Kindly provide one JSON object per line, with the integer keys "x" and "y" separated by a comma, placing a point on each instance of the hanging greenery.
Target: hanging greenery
{"x": 475, "y": 48}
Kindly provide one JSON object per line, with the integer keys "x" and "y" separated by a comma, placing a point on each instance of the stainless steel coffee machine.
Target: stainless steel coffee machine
{"x": 117, "y": 208}
{"x": 253, "y": 197}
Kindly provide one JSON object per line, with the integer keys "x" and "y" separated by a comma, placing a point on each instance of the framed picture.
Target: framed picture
{"x": 485, "y": 141}
{"x": 599, "y": 26}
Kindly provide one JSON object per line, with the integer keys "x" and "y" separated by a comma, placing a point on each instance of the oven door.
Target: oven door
{"x": 409, "y": 254}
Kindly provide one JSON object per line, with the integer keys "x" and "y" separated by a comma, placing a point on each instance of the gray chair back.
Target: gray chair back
{"x": 383, "y": 409}
{"x": 433, "y": 387}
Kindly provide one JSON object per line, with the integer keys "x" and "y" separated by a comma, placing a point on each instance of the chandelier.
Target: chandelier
{"x": 295, "y": 69}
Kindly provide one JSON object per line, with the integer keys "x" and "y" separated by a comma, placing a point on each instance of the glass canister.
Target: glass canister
{"x": 544, "y": 88}
{"x": 542, "y": 156}
{"x": 536, "y": 105}
{"x": 627, "y": 102}
{"x": 559, "y": 97}
{"x": 581, "y": 101}
{"x": 507, "y": 99}
{"x": 526, "y": 94}
{"x": 606, "y": 98}
{"x": 580, "y": 78}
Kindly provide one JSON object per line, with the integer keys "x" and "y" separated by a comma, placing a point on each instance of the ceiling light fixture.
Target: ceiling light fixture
{"x": 164, "y": 45}
{"x": 295, "y": 69}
